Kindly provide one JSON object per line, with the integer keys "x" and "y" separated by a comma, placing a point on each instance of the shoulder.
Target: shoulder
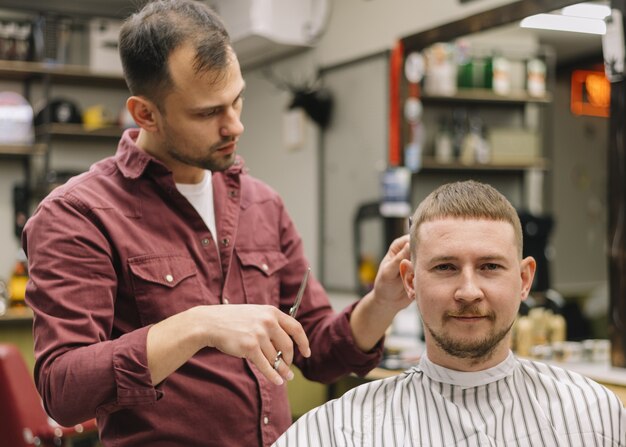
{"x": 253, "y": 190}
{"x": 568, "y": 384}
{"x": 95, "y": 188}
{"x": 376, "y": 393}
{"x": 366, "y": 406}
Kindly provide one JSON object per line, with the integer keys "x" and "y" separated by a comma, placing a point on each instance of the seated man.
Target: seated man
{"x": 468, "y": 277}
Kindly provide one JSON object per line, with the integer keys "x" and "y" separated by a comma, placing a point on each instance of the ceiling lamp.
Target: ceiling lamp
{"x": 580, "y": 18}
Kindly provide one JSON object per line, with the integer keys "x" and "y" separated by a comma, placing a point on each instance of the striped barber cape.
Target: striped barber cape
{"x": 516, "y": 403}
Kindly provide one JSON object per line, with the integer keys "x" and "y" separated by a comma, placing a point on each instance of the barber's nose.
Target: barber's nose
{"x": 232, "y": 125}
{"x": 468, "y": 289}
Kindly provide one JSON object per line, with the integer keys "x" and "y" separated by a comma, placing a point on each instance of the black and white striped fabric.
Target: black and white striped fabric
{"x": 516, "y": 403}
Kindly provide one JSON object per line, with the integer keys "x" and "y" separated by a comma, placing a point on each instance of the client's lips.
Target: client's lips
{"x": 467, "y": 317}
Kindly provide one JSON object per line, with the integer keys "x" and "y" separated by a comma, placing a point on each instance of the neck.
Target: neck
{"x": 181, "y": 172}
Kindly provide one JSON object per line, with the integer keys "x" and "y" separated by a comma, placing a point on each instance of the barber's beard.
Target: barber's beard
{"x": 211, "y": 159}
{"x": 470, "y": 348}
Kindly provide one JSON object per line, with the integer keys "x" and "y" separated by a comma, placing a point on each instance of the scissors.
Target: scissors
{"x": 294, "y": 310}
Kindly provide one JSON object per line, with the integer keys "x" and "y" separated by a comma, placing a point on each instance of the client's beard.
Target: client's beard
{"x": 476, "y": 350}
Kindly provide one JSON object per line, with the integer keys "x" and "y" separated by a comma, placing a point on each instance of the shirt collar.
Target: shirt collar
{"x": 466, "y": 379}
{"x": 133, "y": 161}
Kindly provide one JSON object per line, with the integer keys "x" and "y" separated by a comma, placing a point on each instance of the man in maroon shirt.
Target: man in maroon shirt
{"x": 161, "y": 278}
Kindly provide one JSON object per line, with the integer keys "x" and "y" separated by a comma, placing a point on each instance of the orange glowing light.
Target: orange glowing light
{"x": 590, "y": 93}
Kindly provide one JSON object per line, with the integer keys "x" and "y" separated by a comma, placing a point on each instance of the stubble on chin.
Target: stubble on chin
{"x": 214, "y": 162}
{"x": 475, "y": 350}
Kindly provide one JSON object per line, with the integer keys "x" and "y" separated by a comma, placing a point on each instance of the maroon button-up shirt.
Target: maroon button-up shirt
{"x": 119, "y": 248}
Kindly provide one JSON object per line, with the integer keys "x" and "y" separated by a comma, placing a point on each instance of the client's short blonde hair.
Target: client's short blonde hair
{"x": 465, "y": 200}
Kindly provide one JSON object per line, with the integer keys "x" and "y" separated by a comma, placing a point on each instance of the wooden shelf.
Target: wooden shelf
{"x": 13, "y": 150}
{"x": 77, "y": 131}
{"x": 17, "y": 314}
{"x": 431, "y": 165}
{"x": 487, "y": 96}
{"x": 62, "y": 74}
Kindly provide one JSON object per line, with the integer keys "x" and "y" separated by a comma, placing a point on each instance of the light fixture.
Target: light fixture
{"x": 588, "y": 10}
{"x": 580, "y": 18}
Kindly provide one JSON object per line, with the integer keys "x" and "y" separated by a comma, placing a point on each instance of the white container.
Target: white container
{"x": 536, "y": 78}
{"x": 104, "y": 55}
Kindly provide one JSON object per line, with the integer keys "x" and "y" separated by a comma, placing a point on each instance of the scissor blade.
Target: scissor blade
{"x": 296, "y": 305}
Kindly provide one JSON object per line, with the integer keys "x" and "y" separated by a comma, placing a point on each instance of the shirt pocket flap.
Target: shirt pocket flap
{"x": 167, "y": 270}
{"x": 268, "y": 262}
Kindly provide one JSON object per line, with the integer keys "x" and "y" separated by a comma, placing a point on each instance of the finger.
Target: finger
{"x": 281, "y": 341}
{"x": 294, "y": 329}
{"x": 259, "y": 359}
{"x": 283, "y": 369}
{"x": 300, "y": 338}
{"x": 404, "y": 252}
{"x": 399, "y": 244}
{"x": 278, "y": 359}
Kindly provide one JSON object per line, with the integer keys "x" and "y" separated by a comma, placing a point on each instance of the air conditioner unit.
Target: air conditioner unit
{"x": 263, "y": 30}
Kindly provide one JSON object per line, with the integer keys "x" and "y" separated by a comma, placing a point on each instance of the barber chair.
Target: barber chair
{"x": 23, "y": 420}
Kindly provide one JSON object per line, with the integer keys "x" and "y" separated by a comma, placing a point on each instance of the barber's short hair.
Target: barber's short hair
{"x": 148, "y": 37}
{"x": 465, "y": 200}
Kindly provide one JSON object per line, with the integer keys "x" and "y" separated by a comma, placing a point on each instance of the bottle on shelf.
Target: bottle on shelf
{"x": 459, "y": 129}
{"x": 501, "y": 75}
{"x": 536, "y": 77}
{"x": 18, "y": 280}
{"x": 443, "y": 142}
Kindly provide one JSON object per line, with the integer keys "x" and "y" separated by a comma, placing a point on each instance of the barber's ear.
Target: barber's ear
{"x": 143, "y": 112}
{"x": 408, "y": 277}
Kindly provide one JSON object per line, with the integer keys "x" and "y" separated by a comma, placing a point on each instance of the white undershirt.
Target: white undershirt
{"x": 200, "y": 195}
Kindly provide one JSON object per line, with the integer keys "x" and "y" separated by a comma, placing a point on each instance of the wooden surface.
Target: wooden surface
{"x": 16, "y": 327}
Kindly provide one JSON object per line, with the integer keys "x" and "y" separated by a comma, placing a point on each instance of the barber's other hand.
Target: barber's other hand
{"x": 388, "y": 283}
{"x": 256, "y": 333}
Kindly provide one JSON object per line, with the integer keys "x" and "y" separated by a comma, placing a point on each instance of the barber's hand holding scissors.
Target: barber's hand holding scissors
{"x": 261, "y": 334}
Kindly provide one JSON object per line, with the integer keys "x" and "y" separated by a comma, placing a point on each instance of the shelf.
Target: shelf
{"x": 77, "y": 131}
{"x": 62, "y": 74}
{"x": 18, "y": 150}
{"x": 16, "y": 315}
{"x": 431, "y": 165}
{"x": 487, "y": 96}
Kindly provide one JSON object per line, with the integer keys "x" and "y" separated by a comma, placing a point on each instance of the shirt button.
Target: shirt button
{"x": 266, "y": 420}
{"x": 225, "y": 300}
{"x": 205, "y": 241}
{"x": 169, "y": 278}
{"x": 265, "y": 267}
{"x": 232, "y": 193}
{"x": 225, "y": 242}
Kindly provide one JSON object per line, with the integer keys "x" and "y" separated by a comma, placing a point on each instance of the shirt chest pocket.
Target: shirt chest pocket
{"x": 261, "y": 281}
{"x": 164, "y": 285}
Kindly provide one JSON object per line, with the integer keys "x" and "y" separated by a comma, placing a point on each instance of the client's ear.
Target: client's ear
{"x": 408, "y": 277}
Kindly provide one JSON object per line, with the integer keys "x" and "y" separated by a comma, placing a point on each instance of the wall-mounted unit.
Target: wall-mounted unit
{"x": 264, "y": 30}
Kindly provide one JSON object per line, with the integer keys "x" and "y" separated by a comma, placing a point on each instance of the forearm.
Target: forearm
{"x": 369, "y": 321}
{"x": 171, "y": 342}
